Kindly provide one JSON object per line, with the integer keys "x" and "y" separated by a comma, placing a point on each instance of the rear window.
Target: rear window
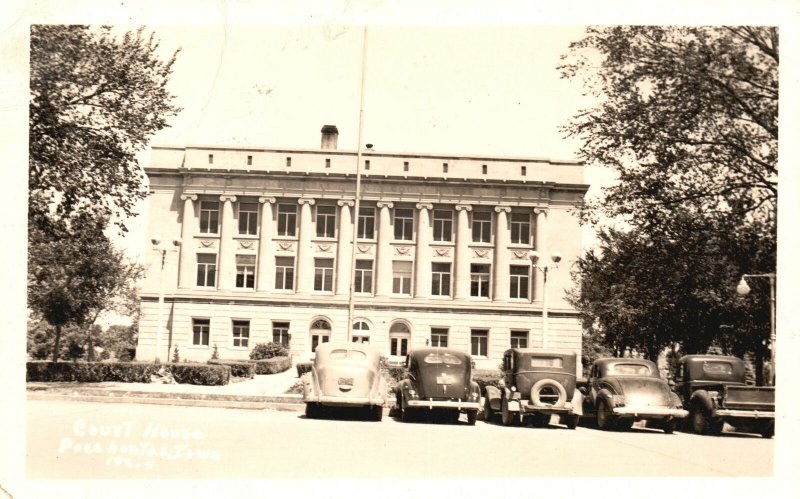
{"x": 630, "y": 369}
{"x": 547, "y": 362}
{"x": 716, "y": 368}
{"x": 442, "y": 358}
{"x": 347, "y": 354}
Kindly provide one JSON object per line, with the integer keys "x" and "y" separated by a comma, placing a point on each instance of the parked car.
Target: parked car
{"x": 345, "y": 375}
{"x": 622, "y": 391}
{"x": 713, "y": 388}
{"x": 438, "y": 379}
{"x": 536, "y": 384}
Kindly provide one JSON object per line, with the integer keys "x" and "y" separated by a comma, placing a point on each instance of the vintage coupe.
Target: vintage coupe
{"x": 440, "y": 380}
{"x": 622, "y": 391}
{"x": 345, "y": 375}
{"x": 713, "y": 388}
{"x": 536, "y": 384}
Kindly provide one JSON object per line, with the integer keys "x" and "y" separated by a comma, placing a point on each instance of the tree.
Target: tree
{"x": 686, "y": 115}
{"x": 95, "y": 101}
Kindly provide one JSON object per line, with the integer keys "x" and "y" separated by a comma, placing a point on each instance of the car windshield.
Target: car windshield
{"x": 629, "y": 369}
{"x": 717, "y": 368}
{"x": 442, "y": 358}
{"x": 547, "y": 362}
{"x": 347, "y": 354}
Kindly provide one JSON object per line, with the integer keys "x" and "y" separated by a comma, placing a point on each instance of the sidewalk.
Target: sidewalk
{"x": 261, "y": 392}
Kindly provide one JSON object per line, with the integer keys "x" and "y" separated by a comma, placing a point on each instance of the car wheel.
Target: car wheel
{"x": 669, "y": 426}
{"x": 488, "y": 414}
{"x": 507, "y": 417}
{"x": 605, "y": 420}
{"x": 472, "y": 416}
{"x": 377, "y": 412}
{"x": 768, "y": 431}
{"x": 405, "y": 412}
{"x": 703, "y": 424}
{"x": 312, "y": 410}
{"x": 572, "y": 421}
{"x": 540, "y": 420}
{"x": 623, "y": 424}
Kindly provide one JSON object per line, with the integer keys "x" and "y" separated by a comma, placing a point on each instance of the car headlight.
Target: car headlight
{"x": 617, "y": 400}
{"x": 412, "y": 392}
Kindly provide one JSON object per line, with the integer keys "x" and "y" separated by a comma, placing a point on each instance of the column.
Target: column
{"x": 227, "y": 257}
{"x": 266, "y": 264}
{"x": 305, "y": 250}
{"x": 344, "y": 248}
{"x": 186, "y": 259}
{"x": 540, "y": 245}
{"x": 501, "y": 241}
{"x": 422, "y": 259}
{"x": 463, "y": 238}
{"x": 384, "y": 265}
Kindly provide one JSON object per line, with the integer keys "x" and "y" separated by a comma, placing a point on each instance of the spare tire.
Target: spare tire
{"x": 548, "y": 392}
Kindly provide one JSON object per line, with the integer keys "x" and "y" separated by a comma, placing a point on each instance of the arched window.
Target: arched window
{"x": 360, "y": 332}
{"x": 399, "y": 336}
{"x": 320, "y": 333}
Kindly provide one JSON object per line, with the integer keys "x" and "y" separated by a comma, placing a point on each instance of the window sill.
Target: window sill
{"x": 198, "y": 347}
{"x": 481, "y": 244}
{"x": 246, "y": 236}
{"x": 203, "y": 235}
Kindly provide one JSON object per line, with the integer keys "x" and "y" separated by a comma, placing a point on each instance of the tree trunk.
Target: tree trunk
{"x": 90, "y": 347}
{"x": 57, "y": 346}
{"x": 759, "y": 367}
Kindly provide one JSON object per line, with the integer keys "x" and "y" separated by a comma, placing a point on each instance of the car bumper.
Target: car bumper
{"x": 734, "y": 413}
{"x": 541, "y": 409}
{"x": 345, "y": 401}
{"x": 444, "y": 404}
{"x": 650, "y": 412}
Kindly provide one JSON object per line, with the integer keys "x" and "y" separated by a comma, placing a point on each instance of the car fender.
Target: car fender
{"x": 308, "y": 385}
{"x": 577, "y": 403}
{"x": 606, "y": 396}
{"x": 493, "y": 394}
{"x": 701, "y": 398}
{"x": 676, "y": 400}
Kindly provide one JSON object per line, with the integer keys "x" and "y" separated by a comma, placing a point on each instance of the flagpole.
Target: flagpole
{"x": 351, "y": 307}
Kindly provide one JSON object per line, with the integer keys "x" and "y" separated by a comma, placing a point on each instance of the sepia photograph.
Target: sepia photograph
{"x": 359, "y": 248}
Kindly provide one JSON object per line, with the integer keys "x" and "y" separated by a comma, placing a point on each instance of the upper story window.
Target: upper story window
{"x": 206, "y": 269}
{"x": 323, "y": 274}
{"x": 366, "y": 222}
{"x": 209, "y": 217}
{"x": 249, "y": 160}
{"x": 523, "y": 170}
{"x": 403, "y": 224}
{"x": 246, "y": 271}
{"x": 288, "y": 161}
{"x": 363, "y": 283}
{"x": 326, "y": 221}
{"x": 440, "y": 279}
{"x": 405, "y": 166}
{"x": 210, "y": 159}
{"x": 401, "y": 278}
{"x": 482, "y": 226}
{"x": 284, "y": 272}
{"x": 520, "y": 228}
{"x": 287, "y": 219}
{"x": 248, "y": 218}
{"x": 445, "y": 168}
{"x": 327, "y": 163}
{"x": 366, "y": 164}
{"x": 519, "y": 281}
{"x": 484, "y": 169}
{"x": 442, "y": 225}
{"x": 479, "y": 280}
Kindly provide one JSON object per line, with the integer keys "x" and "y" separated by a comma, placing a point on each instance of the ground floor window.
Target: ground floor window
{"x": 480, "y": 342}
{"x": 241, "y": 333}
{"x": 360, "y": 332}
{"x": 519, "y": 339}
{"x": 280, "y": 333}
{"x": 320, "y": 333}
{"x": 201, "y": 330}
{"x": 439, "y": 337}
{"x": 399, "y": 336}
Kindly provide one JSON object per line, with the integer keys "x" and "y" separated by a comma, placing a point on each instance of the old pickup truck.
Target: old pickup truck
{"x": 713, "y": 388}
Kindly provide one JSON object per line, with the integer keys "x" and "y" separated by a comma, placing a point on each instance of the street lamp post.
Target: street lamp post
{"x": 556, "y": 257}
{"x": 163, "y": 251}
{"x": 743, "y": 289}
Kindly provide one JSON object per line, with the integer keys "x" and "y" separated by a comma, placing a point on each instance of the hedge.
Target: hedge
{"x": 239, "y": 368}
{"x": 272, "y": 366}
{"x": 126, "y": 372}
{"x": 303, "y": 367}
{"x": 486, "y": 377}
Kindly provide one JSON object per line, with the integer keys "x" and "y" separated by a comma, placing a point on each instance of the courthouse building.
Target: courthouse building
{"x": 443, "y": 248}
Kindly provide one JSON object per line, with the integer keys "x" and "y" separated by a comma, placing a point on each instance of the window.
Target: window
{"x": 288, "y": 161}
{"x": 360, "y": 332}
{"x": 363, "y": 282}
{"x": 442, "y": 225}
{"x": 326, "y": 221}
{"x": 439, "y": 337}
{"x": 484, "y": 169}
{"x": 366, "y": 164}
{"x": 399, "y": 334}
{"x": 519, "y": 280}
{"x": 523, "y": 170}
{"x": 403, "y": 224}
{"x": 442, "y": 358}
{"x": 209, "y": 217}
{"x": 479, "y": 280}
{"x": 480, "y": 342}
{"x": 401, "y": 278}
{"x": 206, "y": 269}
{"x": 323, "y": 274}
{"x": 320, "y": 333}
{"x": 246, "y": 271}
{"x": 440, "y": 285}
{"x": 519, "y": 339}
{"x": 241, "y": 333}
{"x": 201, "y": 330}
{"x": 481, "y": 227}
{"x": 520, "y": 228}
{"x": 444, "y": 167}
{"x": 249, "y": 160}
{"x": 284, "y": 272}
{"x": 280, "y": 333}
{"x": 327, "y": 163}
{"x": 556, "y": 362}
{"x": 248, "y": 218}
{"x": 210, "y": 159}
{"x": 287, "y": 219}
{"x": 366, "y": 222}
{"x": 405, "y": 166}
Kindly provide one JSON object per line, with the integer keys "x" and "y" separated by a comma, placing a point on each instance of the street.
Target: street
{"x": 87, "y": 440}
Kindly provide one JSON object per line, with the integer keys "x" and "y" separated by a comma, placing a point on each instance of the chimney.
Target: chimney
{"x": 330, "y": 135}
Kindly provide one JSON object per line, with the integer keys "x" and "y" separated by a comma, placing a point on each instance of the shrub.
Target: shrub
{"x": 268, "y": 351}
{"x": 215, "y": 353}
{"x": 200, "y": 374}
{"x": 176, "y": 358}
{"x": 105, "y": 355}
{"x": 487, "y": 377}
{"x": 74, "y": 350}
{"x": 303, "y": 367}
{"x": 125, "y": 353}
{"x": 273, "y": 365}
{"x": 239, "y": 369}
{"x": 126, "y": 372}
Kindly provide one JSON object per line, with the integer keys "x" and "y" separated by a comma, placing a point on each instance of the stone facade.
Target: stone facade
{"x": 442, "y": 253}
